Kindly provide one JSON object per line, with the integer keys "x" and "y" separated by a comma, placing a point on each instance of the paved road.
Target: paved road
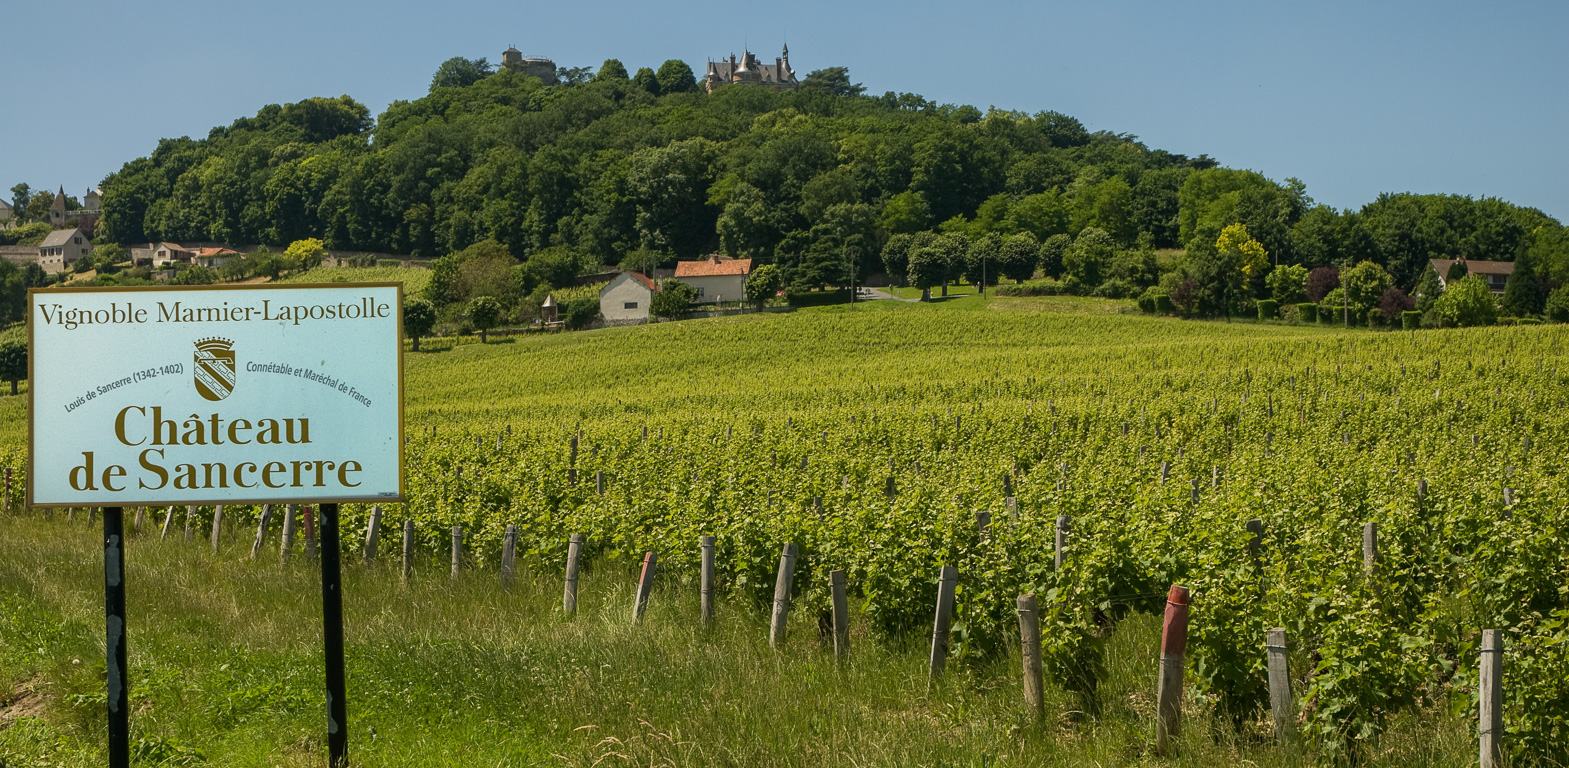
{"x": 878, "y": 293}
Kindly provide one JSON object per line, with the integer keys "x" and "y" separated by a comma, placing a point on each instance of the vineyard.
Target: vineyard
{"x": 871, "y": 438}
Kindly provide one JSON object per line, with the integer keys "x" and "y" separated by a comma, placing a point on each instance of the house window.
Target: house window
{"x": 700, "y": 291}
{"x": 629, "y": 305}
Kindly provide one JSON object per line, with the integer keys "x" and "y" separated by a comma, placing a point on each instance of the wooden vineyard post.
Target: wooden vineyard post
{"x": 190, "y": 512}
{"x": 1061, "y": 543}
{"x": 1030, "y": 651}
{"x": 372, "y": 535}
{"x": 1173, "y": 647}
{"x": 983, "y": 521}
{"x": 136, "y": 527}
{"x": 782, "y": 584}
{"x": 599, "y": 482}
{"x": 408, "y": 550}
{"x": 509, "y": 547}
{"x": 706, "y": 583}
{"x": 645, "y": 585}
{"x": 836, "y": 586}
{"x": 1490, "y": 685}
{"x": 286, "y": 545}
{"x": 261, "y": 530}
{"x": 1281, "y": 704}
{"x": 891, "y": 489}
{"x": 457, "y": 550}
{"x": 1370, "y": 549}
{"x": 1195, "y": 491}
{"x": 1165, "y": 471}
{"x": 309, "y": 513}
{"x": 948, "y": 581}
{"x": 569, "y": 592}
{"x": 168, "y": 519}
{"x": 217, "y": 527}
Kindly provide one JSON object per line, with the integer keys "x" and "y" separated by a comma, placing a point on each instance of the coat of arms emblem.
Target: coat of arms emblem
{"x": 214, "y": 368}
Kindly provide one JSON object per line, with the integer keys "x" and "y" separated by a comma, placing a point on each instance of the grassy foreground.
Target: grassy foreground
{"x": 226, "y": 670}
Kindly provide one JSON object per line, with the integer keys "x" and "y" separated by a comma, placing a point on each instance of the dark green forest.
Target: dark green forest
{"x": 607, "y": 168}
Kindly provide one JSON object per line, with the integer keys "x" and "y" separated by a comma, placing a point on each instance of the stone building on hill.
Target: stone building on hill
{"x": 749, "y": 71}
{"x": 62, "y": 248}
{"x": 84, "y": 218}
{"x": 538, "y": 66}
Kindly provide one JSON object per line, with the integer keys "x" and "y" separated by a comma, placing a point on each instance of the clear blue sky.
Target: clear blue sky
{"x": 1354, "y": 98}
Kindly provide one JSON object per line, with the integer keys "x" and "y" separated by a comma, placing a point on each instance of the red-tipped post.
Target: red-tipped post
{"x": 1173, "y": 646}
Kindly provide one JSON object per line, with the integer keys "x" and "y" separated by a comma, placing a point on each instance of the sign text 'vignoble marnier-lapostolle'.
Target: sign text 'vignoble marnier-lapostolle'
{"x": 216, "y": 395}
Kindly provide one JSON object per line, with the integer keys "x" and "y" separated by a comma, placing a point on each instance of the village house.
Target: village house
{"x": 6, "y": 213}
{"x": 212, "y": 257}
{"x": 62, "y": 248}
{"x": 626, "y": 298}
{"x": 716, "y": 278}
{"x": 1496, "y": 272}
{"x": 171, "y": 253}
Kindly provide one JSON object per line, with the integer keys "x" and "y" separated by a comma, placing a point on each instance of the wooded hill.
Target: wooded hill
{"x": 615, "y": 167}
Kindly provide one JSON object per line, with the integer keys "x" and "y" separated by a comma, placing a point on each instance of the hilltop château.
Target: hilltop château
{"x": 749, "y": 71}
{"x": 538, "y": 66}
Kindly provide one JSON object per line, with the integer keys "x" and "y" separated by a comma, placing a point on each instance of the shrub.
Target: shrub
{"x": 1163, "y": 304}
{"x": 1307, "y": 312}
{"x": 1043, "y": 287}
{"x": 1117, "y": 288}
{"x": 1393, "y": 302}
{"x": 1268, "y": 309}
{"x": 672, "y": 299}
{"x": 1528, "y": 321}
{"x": 388, "y": 263}
{"x": 1320, "y": 282}
{"x": 1467, "y": 302}
{"x": 798, "y": 297}
{"x": 1146, "y": 300}
{"x": 1558, "y": 305}
{"x": 1410, "y": 320}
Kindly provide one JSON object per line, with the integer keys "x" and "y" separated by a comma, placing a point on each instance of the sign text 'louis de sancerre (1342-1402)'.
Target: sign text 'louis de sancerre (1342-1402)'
{"x": 216, "y": 395}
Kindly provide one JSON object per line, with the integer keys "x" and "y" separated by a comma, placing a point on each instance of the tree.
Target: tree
{"x": 1320, "y": 282}
{"x": 1457, "y": 272}
{"x": 13, "y": 362}
{"x": 1365, "y": 283}
{"x": 675, "y": 76}
{"x": 1053, "y": 251}
{"x": 896, "y": 252}
{"x": 980, "y": 260}
{"x": 1467, "y": 302}
{"x": 1087, "y": 260}
{"x": 197, "y": 275}
{"x": 906, "y": 212}
{"x": 1524, "y": 295}
{"x": 484, "y": 313}
{"x": 1428, "y": 289}
{"x": 1558, "y": 305}
{"x": 763, "y": 284}
{"x": 672, "y": 299}
{"x": 304, "y": 254}
{"x": 419, "y": 317}
{"x": 1393, "y": 303}
{"x": 927, "y": 266}
{"x": 834, "y": 81}
{"x": 1019, "y": 256}
{"x": 458, "y": 72}
{"x": 570, "y": 76}
{"x": 1288, "y": 283}
{"x": 612, "y": 69}
{"x": 646, "y": 80}
{"x": 21, "y": 194}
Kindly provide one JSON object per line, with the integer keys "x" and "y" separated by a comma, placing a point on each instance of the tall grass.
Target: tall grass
{"x": 226, "y": 670}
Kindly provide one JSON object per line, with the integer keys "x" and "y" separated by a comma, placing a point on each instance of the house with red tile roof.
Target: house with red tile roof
{"x": 716, "y": 278}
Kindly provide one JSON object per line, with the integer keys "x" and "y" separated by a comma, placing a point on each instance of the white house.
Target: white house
{"x": 212, "y": 257}
{"x": 62, "y": 248}
{"x": 6, "y": 212}
{"x": 170, "y": 253}
{"x": 716, "y": 278}
{"x": 625, "y": 299}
